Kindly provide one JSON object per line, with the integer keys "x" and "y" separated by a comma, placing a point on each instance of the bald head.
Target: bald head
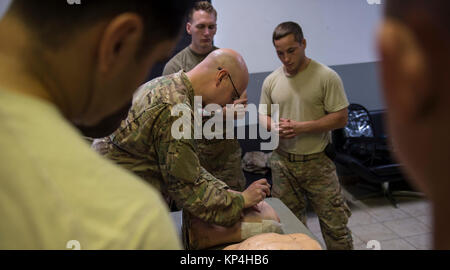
{"x": 226, "y": 58}
{"x": 215, "y": 76}
{"x": 230, "y": 61}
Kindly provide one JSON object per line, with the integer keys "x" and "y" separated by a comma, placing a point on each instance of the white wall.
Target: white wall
{"x": 3, "y": 6}
{"x": 337, "y": 31}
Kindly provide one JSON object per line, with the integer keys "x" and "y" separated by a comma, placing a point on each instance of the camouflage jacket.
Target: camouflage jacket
{"x": 144, "y": 144}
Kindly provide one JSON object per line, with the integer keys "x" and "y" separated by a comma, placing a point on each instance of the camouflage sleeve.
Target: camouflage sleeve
{"x": 191, "y": 186}
{"x": 216, "y": 182}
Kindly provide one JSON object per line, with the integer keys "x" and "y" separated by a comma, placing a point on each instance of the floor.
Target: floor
{"x": 407, "y": 227}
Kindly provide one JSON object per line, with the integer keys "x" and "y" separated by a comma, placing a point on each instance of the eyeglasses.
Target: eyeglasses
{"x": 236, "y": 93}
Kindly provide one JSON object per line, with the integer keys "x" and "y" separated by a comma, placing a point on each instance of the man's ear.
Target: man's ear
{"x": 188, "y": 28}
{"x": 121, "y": 41}
{"x": 220, "y": 76}
{"x": 404, "y": 70}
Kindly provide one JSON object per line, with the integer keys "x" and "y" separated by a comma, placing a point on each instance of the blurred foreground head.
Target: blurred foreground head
{"x": 89, "y": 58}
{"x": 414, "y": 44}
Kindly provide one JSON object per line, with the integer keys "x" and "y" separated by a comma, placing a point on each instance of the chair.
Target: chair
{"x": 362, "y": 152}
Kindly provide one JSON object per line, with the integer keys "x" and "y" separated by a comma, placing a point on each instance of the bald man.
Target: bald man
{"x": 145, "y": 144}
{"x": 221, "y": 157}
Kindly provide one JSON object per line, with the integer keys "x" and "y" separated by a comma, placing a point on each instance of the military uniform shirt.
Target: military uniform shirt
{"x": 185, "y": 60}
{"x": 309, "y": 95}
{"x": 54, "y": 188}
{"x": 220, "y": 157}
{"x": 144, "y": 144}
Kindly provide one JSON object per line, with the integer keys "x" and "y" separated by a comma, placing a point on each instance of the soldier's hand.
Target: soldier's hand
{"x": 256, "y": 192}
{"x": 237, "y": 109}
{"x": 286, "y": 129}
{"x": 257, "y": 207}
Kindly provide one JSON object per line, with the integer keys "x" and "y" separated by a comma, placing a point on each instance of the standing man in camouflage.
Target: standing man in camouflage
{"x": 145, "y": 143}
{"x": 312, "y": 103}
{"x": 220, "y": 157}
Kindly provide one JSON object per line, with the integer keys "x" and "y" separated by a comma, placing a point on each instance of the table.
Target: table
{"x": 291, "y": 224}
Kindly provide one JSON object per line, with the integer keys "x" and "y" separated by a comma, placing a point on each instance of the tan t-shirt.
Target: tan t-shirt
{"x": 185, "y": 60}
{"x": 54, "y": 188}
{"x": 309, "y": 95}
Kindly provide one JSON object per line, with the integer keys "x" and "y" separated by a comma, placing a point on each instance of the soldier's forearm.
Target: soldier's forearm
{"x": 195, "y": 189}
{"x": 225, "y": 216}
{"x": 265, "y": 121}
{"x": 208, "y": 202}
{"x": 218, "y": 183}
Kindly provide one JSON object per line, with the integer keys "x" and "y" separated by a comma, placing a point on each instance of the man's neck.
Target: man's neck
{"x": 441, "y": 224}
{"x": 198, "y": 80}
{"x": 15, "y": 79}
{"x": 201, "y": 50}
{"x": 19, "y": 69}
{"x": 193, "y": 79}
{"x": 435, "y": 182}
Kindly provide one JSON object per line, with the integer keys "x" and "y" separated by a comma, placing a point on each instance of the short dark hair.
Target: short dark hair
{"x": 54, "y": 21}
{"x": 287, "y": 28}
{"x": 428, "y": 20}
{"x": 202, "y": 5}
{"x": 400, "y": 8}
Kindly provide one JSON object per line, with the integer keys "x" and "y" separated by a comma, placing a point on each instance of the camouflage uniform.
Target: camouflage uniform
{"x": 220, "y": 157}
{"x": 300, "y": 169}
{"x": 313, "y": 177}
{"x": 144, "y": 144}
